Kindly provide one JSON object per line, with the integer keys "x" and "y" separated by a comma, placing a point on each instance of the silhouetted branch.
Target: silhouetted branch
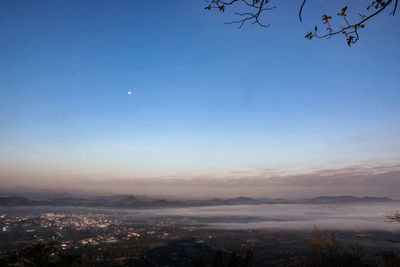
{"x": 253, "y": 16}
{"x": 350, "y": 30}
{"x": 395, "y": 7}
{"x": 393, "y": 217}
{"x": 301, "y": 10}
{"x": 256, "y": 7}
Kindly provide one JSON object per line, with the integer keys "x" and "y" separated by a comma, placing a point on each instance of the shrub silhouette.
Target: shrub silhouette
{"x": 234, "y": 260}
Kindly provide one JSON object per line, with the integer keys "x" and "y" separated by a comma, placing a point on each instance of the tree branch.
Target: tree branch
{"x": 301, "y": 10}
{"x": 351, "y": 28}
{"x": 256, "y": 7}
{"x": 253, "y": 15}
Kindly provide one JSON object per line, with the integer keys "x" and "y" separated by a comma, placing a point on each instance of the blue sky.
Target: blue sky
{"x": 207, "y": 98}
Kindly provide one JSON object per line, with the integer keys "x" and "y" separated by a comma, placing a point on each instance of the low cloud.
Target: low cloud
{"x": 359, "y": 180}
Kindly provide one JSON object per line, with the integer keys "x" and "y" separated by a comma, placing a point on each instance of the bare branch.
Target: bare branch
{"x": 301, "y": 10}
{"x": 393, "y": 217}
{"x": 257, "y": 7}
{"x": 395, "y": 7}
{"x": 351, "y": 28}
{"x": 253, "y": 9}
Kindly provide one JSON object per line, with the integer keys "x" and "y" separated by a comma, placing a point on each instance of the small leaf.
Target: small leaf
{"x": 343, "y": 13}
{"x": 326, "y": 19}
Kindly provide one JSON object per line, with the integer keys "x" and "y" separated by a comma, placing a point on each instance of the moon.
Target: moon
{"x": 129, "y": 92}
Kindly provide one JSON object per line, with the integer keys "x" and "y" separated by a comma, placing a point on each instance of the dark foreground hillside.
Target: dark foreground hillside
{"x": 219, "y": 248}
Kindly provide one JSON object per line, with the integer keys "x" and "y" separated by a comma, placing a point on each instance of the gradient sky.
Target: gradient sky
{"x": 208, "y": 99}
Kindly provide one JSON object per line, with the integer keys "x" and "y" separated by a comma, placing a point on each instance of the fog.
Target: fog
{"x": 269, "y": 216}
{"x": 290, "y": 216}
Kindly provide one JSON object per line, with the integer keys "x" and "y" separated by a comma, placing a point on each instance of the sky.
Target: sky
{"x": 209, "y": 102}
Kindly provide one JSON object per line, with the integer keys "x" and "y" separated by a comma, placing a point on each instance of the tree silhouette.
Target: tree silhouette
{"x": 234, "y": 260}
{"x": 393, "y": 217}
{"x": 254, "y": 9}
{"x": 40, "y": 255}
{"x": 328, "y": 253}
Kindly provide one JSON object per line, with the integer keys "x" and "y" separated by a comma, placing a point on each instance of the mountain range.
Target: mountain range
{"x": 130, "y": 201}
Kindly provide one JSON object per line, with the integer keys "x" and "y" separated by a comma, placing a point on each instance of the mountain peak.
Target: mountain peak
{"x": 130, "y": 198}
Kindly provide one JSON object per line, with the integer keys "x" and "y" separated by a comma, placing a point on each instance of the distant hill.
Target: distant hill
{"x": 15, "y": 201}
{"x": 376, "y": 199}
{"x": 242, "y": 201}
{"x": 126, "y": 201}
{"x": 130, "y": 201}
{"x": 346, "y": 199}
